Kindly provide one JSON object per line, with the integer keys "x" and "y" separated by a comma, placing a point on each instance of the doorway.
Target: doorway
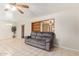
{"x": 22, "y": 31}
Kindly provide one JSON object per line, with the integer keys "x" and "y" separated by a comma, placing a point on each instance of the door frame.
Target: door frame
{"x": 22, "y": 30}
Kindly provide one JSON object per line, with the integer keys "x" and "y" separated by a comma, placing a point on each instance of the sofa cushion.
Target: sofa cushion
{"x": 38, "y": 37}
{"x": 41, "y": 42}
{"x": 33, "y": 36}
{"x": 33, "y": 33}
{"x": 39, "y": 34}
{"x": 46, "y": 38}
{"x": 47, "y": 34}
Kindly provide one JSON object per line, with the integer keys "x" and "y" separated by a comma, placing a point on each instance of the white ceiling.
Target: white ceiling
{"x": 40, "y": 9}
{"x": 36, "y": 10}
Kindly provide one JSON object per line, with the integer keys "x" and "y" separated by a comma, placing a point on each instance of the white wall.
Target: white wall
{"x": 24, "y": 20}
{"x": 66, "y": 28}
{"x": 6, "y": 19}
{"x": 5, "y": 31}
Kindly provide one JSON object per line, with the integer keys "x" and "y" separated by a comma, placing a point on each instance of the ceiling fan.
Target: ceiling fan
{"x": 17, "y": 6}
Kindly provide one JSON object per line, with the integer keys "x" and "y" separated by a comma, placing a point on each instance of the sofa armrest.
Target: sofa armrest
{"x": 27, "y": 37}
{"x": 48, "y": 40}
{"x": 48, "y": 44}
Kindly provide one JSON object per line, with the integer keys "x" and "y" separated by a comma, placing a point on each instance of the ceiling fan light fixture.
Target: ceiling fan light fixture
{"x": 14, "y": 7}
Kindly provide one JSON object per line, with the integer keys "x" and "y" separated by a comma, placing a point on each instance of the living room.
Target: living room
{"x": 67, "y": 18}
{"x": 64, "y": 17}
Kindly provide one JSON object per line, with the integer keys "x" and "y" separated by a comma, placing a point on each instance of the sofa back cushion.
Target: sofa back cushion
{"x": 46, "y": 34}
{"x": 38, "y": 37}
{"x": 39, "y": 33}
{"x": 42, "y": 35}
{"x": 33, "y": 35}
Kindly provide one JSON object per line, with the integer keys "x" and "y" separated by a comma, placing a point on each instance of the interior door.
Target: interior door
{"x": 22, "y": 31}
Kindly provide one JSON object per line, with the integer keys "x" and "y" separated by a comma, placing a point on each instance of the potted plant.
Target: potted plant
{"x": 14, "y": 31}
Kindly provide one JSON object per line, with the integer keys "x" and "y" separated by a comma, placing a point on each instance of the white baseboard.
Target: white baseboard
{"x": 69, "y": 48}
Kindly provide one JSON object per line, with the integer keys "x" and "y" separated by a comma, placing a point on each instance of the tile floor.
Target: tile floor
{"x": 17, "y": 47}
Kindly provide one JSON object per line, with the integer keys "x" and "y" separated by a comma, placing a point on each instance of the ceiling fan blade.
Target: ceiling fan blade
{"x": 24, "y": 6}
{"x": 20, "y": 11}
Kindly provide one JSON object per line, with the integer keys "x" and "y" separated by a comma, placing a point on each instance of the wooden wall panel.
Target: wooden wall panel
{"x": 44, "y": 26}
{"x": 36, "y": 26}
